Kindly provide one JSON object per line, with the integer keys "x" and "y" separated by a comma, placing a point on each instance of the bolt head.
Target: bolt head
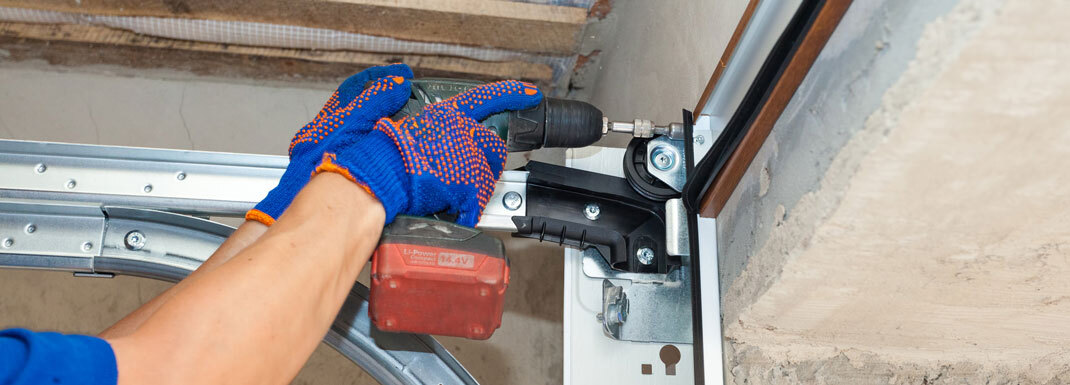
{"x": 147, "y": 189}
{"x": 134, "y": 240}
{"x": 645, "y": 255}
{"x": 71, "y": 183}
{"x": 662, "y": 158}
{"x": 87, "y": 246}
{"x": 592, "y": 211}
{"x": 40, "y": 168}
{"x": 31, "y": 228}
{"x": 700, "y": 139}
{"x": 180, "y": 176}
{"x": 8, "y": 242}
{"x": 512, "y": 200}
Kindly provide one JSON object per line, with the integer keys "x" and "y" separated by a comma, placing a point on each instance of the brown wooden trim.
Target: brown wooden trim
{"x": 501, "y": 24}
{"x": 182, "y": 54}
{"x": 814, "y": 41}
{"x": 727, "y": 54}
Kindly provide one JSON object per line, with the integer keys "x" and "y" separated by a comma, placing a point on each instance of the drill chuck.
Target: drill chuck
{"x": 554, "y": 123}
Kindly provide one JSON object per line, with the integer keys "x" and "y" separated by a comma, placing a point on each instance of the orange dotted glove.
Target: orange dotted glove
{"x": 442, "y": 160}
{"x": 351, "y": 111}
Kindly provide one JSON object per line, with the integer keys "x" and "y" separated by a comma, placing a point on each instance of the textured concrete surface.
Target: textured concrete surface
{"x": 932, "y": 249}
{"x": 177, "y": 111}
{"x": 875, "y": 42}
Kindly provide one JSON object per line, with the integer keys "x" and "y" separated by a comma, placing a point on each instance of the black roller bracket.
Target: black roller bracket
{"x": 635, "y": 171}
{"x": 557, "y": 198}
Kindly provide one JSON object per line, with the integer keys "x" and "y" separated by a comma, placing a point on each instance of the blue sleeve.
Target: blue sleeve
{"x": 28, "y": 357}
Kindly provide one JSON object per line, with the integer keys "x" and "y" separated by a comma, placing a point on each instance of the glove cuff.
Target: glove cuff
{"x": 259, "y": 216}
{"x": 379, "y": 171}
{"x": 279, "y": 198}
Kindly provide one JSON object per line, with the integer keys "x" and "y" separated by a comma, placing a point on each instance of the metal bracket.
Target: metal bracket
{"x": 666, "y": 161}
{"x": 614, "y": 308}
{"x": 677, "y": 241}
{"x": 657, "y": 307}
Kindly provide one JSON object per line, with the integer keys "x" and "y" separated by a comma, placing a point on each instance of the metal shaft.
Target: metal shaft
{"x": 642, "y": 128}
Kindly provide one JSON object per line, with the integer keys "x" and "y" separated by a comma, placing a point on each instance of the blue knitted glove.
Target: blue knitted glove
{"x": 352, "y": 110}
{"x": 440, "y": 160}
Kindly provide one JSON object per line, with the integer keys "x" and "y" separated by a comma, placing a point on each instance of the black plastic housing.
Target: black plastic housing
{"x": 554, "y": 123}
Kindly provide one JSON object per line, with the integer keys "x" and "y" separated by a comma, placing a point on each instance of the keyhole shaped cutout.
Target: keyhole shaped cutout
{"x": 670, "y": 355}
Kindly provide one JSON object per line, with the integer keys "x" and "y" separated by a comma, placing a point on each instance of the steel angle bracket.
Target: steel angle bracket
{"x": 643, "y": 307}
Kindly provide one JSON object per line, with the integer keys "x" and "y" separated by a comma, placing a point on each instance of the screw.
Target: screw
{"x": 71, "y": 183}
{"x": 592, "y": 211}
{"x": 662, "y": 158}
{"x": 148, "y": 188}
{"x": 618, "y": 313}
{"x": 134, "y": 240}
{"x": 87, "y": 246}
{"x": 512, "y": 200}
{"x": 8, "y": 242}
{"x": 180, "y": 176}
{"x": 645, "y": 255}
{"x": 40, "y": 168}
{"x": 30, "y": 228}
{"x": 700, "y": 139}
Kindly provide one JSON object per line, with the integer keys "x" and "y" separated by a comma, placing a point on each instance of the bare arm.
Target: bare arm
{"x": 242, "y": 237}
{"x": 269, "y": 305}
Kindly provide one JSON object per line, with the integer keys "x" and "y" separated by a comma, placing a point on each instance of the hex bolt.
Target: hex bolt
{"x": 180, "y": 176}
{"x": 592, "y": 211}
{"x": 512, "y": 200}
{"x": 700, "y": 139}
{"x": 30, "y": 228}
{"x": 147, "y": 189}
{"x": 645, "y": 255}
{"x": 663, "y": 158}
{"x": 71, "y": 183}
{"x": 134, "y": 240}
{"x": 40, "y": 169}
{"x": 8, "y": 242}
{"x": 87, "y": 246}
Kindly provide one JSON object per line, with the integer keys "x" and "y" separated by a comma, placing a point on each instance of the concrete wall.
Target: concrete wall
{"x": 871, "y": 48}
{"x": 944, "y": 258}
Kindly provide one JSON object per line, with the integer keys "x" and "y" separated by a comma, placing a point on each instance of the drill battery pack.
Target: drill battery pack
{"x": 435, "y": 277}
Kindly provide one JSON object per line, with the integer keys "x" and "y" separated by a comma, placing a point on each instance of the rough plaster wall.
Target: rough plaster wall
{"x": 174, "y": 110}
{"x": 655, "y": 59}
{"x": 873, "y": 45}
{"x": 934, "y": 248}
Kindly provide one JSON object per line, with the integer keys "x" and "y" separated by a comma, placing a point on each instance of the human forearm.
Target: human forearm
{"x": 273, "y": 301}
{"x": 242, "y": 237}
